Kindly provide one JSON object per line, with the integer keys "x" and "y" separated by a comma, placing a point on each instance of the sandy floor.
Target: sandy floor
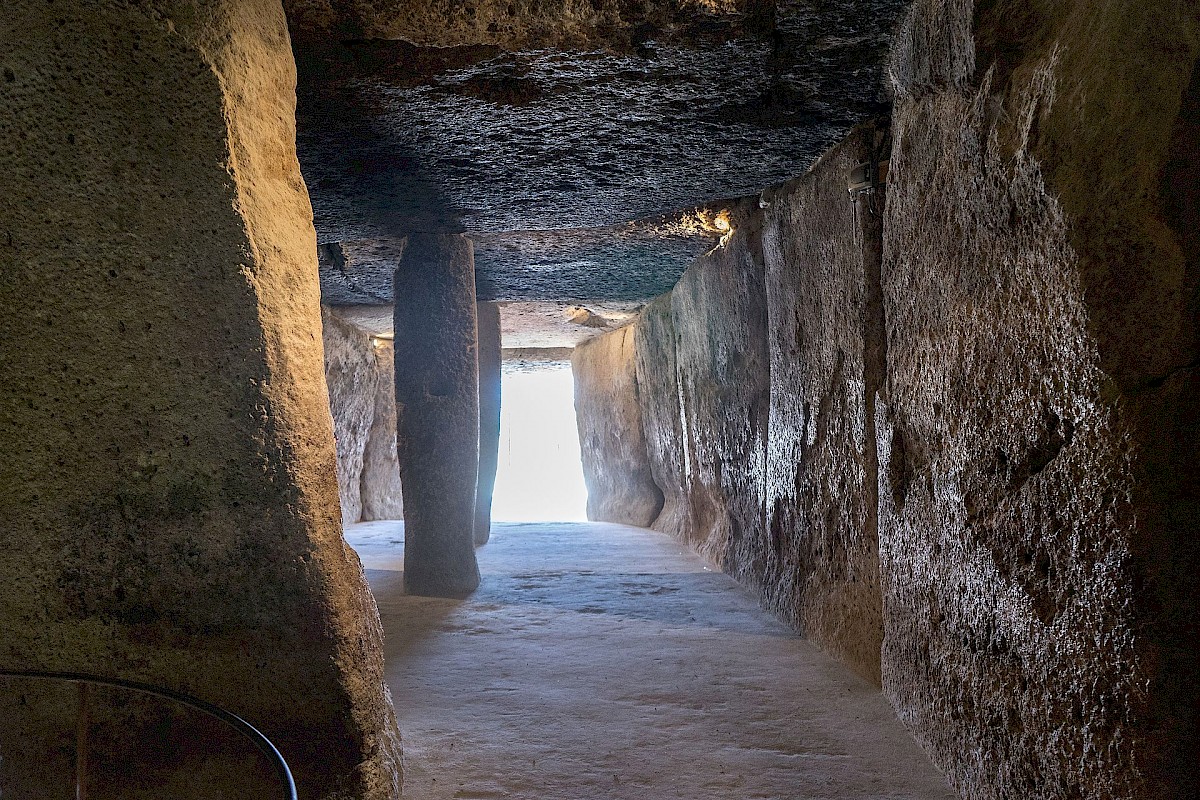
{"x": 601, "y": 661}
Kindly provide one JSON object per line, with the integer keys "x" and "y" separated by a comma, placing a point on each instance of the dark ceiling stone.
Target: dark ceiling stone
{"x": 626, "y": 262}
{"x": 419, "y": 117}
{"x": 632, "y": 262}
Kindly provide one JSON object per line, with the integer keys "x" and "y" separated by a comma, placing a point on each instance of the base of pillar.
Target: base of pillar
{"x": 442, "y": 583}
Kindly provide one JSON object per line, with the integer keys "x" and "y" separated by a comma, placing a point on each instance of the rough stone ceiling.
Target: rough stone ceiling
{"x": 564, "y": 136}
{"x": 523, "y": 325}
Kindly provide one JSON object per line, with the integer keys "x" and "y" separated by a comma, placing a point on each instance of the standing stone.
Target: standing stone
{"x": 616, "y": 466}
{"x": 437, "y": 412}
{"x": 1040, "y": 495}
{"x": 169, "y": 495}
{"x": 382, "y": 496}
{"x": 489, "y": 417}
{"x": 352, "y": 377}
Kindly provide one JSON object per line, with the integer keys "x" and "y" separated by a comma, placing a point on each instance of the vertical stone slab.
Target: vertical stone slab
{"x": 719, "y": 316}
{"x": 488, "y": 315}
{"x": 821, "y": 559}
{"x": 662, "y": 419}
{"x": 382, "y": 494}
{"x": 1038, "y": 507}
{"x": 170, "y": 499}
{"x": 437, "y": 412}
{"x": 616, "y": 466}
{"x": 352, "y": 377}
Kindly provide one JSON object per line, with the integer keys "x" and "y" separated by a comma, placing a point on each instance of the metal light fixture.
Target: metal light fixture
{"x": 866, "y": 178}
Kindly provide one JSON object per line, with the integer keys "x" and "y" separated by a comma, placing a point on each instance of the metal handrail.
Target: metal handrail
{"x": 247, "y": 730}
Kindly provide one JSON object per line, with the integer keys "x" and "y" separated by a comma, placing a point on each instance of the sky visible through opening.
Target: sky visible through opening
{"x": 539, "y": 477}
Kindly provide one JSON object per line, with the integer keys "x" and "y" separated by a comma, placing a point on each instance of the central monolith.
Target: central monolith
{"x": 437, "y": 412}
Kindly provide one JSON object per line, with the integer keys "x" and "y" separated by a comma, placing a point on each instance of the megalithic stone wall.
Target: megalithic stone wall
{"x": 353, "y": 376}
{"x": 754, "y": 381}
{"x": 1038, "y": 513}
{"x": 978, "y": 482}
{"x": 360, "y": 374}
{"x": 379, "y": 487}
{"x": 616, "y": 467}
{"x": 169, "y": 500}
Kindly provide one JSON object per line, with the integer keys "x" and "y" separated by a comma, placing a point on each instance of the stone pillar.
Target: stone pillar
{"x": 437, "y": 412}
{"x": 489, "y": 417}
{"x": 169, "y": 497}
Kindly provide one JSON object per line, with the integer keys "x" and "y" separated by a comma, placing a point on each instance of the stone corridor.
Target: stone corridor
{"x": 605, "y": 661}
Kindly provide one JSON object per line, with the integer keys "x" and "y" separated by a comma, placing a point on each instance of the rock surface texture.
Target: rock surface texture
{"x": 559, "y": 133}
{"x": 360, "y": 374}
{"x": 753, "y": 390}
{"x": 978, "y": 482}
{"x": 820, "y": 555}
{"x": 437, "y": 412}
{"x": 616, "y": 468}
{"x": 380, "y": 489}
{"x": 352, "y": 375}
{"x": 1039, "y": 510}
{"x": 170, "y": 500}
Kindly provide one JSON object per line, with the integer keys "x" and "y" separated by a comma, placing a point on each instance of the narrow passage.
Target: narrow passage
{"x": 604, "y": 661}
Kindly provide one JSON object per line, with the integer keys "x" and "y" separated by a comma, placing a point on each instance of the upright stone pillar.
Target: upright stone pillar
{"x": 489, "y": 417}
{"x": 437, "y": 412}
{"x": 169, "y": 500}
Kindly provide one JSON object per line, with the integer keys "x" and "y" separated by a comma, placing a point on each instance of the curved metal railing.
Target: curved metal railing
{"x": 261, "y": 742}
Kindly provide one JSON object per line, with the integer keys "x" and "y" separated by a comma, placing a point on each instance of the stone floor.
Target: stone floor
{"x": 603, "y": 661}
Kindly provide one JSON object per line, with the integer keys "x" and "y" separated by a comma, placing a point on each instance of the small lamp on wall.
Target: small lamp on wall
{"x": 866, "y": 178}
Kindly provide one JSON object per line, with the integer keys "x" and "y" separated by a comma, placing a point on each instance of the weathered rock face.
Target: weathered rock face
{"x": 170, "y": 500}
{"x": 1038, "y": 509}
{"x": 756, "y": 378}
{"x": 616, "y": 468}
{"x": 488, "y": 322}
{"x": 719, "y": 320}
{"x": 379, "y": 486}
{"x": 532, "y": 24}
{"x": 360, "y": 372}
{"x": 352, "y": 375}
{"x": 662, "y": 417}
{"x": 397, "y": 135}
{"x": 820, "y": 556}
{"x": 437, "y": 413}
{"x": 560, "y": 132}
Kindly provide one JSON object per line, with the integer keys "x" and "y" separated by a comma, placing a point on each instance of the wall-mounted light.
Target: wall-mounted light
{"x": 867, "y": 177}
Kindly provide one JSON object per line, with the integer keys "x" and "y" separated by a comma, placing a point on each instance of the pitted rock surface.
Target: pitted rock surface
{"x": 631, "y": 262}
{"x": 169, "y": 498}
{"x": 498, "y": 118}
{"x": 616, "y": 467}
{"x": 1039, "y": 499}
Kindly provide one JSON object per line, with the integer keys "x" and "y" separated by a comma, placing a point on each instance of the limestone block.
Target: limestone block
{"x": 437, "y": 412}
{"x": 662, "y": 418}
{"x": 719, "y": 317}
{"x": 382, "y": 496}
{"x": 616, "y": 467}
{"x": 353, "y": 378}
{"x": 1038, "y": 506}
{"x": 820, "y": 560}
{"x": 170, "y": 499}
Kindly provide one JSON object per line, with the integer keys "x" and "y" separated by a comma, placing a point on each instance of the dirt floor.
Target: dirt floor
{"x": 603, "y": 661}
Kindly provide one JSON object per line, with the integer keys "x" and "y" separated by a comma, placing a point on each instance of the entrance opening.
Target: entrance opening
{"x": 539, "y": 477}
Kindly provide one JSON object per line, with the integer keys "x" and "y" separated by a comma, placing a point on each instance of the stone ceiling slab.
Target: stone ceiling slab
{"x": 523, "y": 326}
{"x": 527, "y": 122}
